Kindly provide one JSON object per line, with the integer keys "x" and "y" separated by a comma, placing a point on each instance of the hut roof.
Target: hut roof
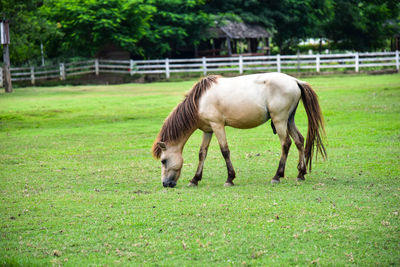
{"x": 239, "y": 30}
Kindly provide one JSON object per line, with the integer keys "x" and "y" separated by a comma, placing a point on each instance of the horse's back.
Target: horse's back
{"x": 247, "y": 101}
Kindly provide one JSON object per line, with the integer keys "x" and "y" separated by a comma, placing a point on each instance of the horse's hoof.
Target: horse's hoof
{"x": 190, "y": 184}
{"x": 227, "y": 184}
{"x": 274, "y": 181}
{"x": 299, "y": 179}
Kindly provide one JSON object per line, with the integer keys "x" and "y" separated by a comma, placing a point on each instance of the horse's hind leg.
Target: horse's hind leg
{"x": 219, "y": 131}
{"x": 299, "y": 141}
{"x": 281, "y": 129}
{"x": 202, "y": 157}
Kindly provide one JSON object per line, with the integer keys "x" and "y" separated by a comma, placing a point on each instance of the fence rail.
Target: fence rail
{"x": 318, "y": 63}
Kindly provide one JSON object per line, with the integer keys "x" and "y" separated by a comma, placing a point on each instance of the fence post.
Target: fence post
{"x": 62, "y": 71}
{"x": 96, "y": 66}
{"x": 241, "y": 64}
{"x": 278, "y": 63}
{"x": 131, "y": 66}
{"x": 204, "y": 61}
{"x": 7, "y": 70}
{"x": 318, "y": 62}
{"x": 397, "y": 60}
{"x": 167, "y": 68}
{"x": 1, "y": 77}
{"x": 356, "y": 60}
{"x": 298, "y": 61}
{"x": 33, "y": 75}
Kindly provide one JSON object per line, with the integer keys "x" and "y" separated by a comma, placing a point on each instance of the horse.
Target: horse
{"x": 241, "y": 102}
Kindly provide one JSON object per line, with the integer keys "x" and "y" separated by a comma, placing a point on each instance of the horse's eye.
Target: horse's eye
{"x": 164, "y": 162}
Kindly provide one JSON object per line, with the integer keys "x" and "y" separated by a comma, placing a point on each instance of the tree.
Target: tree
{"x": 27, "y": 29}
{"x": 361, "y": 25}
{"x": 88, "y": 25}
{"x": 298, "y": 20}
{"x": 288, "y": 20}
{"x": 249, "y": 11}
{"x": 176, "y": 26}
{"x": 159, "y": 28}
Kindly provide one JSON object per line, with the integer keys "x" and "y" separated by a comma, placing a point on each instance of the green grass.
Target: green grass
{"x": 78, "y": 185}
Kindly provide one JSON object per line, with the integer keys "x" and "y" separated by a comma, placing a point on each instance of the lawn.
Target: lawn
{"x": 79, "y": 187}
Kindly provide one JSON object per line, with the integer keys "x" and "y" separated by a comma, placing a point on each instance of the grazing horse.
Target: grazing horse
{"x": 241, "y": 102}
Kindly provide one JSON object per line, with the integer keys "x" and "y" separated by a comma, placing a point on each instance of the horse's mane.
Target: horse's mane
{"x": 184, "y": 117}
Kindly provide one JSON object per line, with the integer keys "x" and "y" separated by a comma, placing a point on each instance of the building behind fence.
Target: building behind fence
{"x": 315, "y": 63}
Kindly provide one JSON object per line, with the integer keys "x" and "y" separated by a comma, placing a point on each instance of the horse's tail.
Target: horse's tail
{"x": 316, "y": 131}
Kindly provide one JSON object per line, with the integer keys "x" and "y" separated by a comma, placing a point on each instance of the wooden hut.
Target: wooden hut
{"x": 233, "y": 38}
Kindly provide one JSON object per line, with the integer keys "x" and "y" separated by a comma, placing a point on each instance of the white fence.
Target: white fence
{"x": 317, "y": 63}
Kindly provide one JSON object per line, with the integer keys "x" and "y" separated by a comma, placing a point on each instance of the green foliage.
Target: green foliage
{"x": 159, "y": 28}
{"x": 288, "y": 20}
{"x": 177, "y": 25}
{"x": 78, "y": 185}
{"x": 362, "y": 25}
{"x": 294, "y": 21}
{"x": 28, "y": 28}
{"x": 253, "y": 11}
{"x": 89, "y": 25}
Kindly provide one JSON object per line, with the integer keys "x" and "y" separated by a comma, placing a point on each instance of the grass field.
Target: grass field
{"x": 78, "y": 185}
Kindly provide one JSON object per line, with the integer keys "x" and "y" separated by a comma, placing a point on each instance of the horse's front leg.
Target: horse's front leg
{"x": 219, "y": 131}
{"x": 202, "y": 157}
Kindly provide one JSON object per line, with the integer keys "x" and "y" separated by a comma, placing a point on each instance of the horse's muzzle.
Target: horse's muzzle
{"x": 169, "y": 183}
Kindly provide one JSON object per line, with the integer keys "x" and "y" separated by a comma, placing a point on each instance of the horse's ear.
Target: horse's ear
{"x": 162, "y": 145}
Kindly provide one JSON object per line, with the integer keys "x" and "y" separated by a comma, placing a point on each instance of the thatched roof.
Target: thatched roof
{"x": 238, "y": 30}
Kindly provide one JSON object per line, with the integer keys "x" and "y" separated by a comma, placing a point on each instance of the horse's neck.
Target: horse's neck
{"x": 180, "y": 144}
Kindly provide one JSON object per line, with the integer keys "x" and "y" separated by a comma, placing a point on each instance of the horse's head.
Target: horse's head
{"x": 171, "y": 164}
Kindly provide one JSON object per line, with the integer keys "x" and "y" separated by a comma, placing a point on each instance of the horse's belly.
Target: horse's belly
{"x": 241, "y": 108}
{"x": 245, "y": 117}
